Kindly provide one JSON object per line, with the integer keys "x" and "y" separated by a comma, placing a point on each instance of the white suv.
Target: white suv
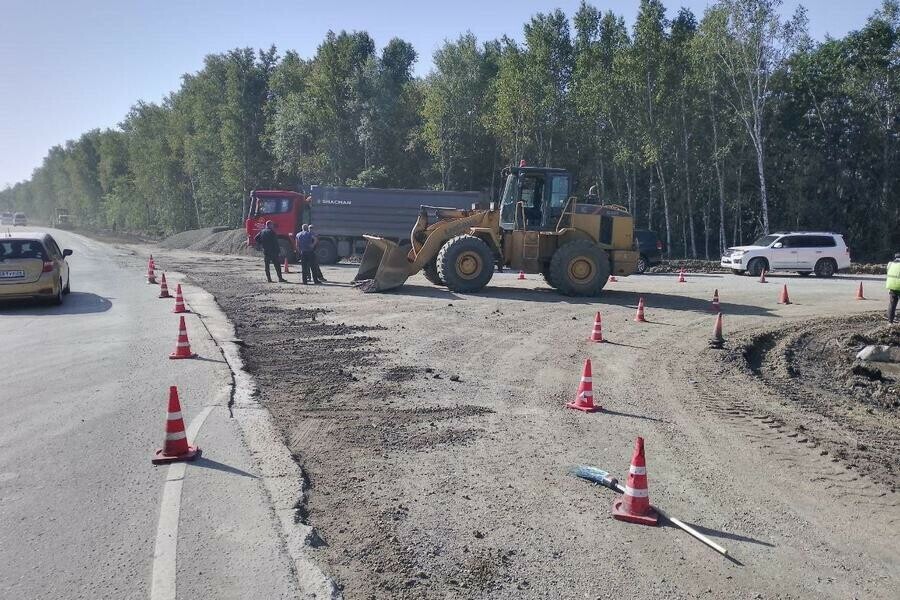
{"x": 805, "y": 252}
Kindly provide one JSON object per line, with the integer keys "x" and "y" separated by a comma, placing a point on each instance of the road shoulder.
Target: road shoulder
{"x": 281, "y": 477}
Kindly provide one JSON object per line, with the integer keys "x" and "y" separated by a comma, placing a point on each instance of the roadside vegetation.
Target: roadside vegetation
{"x": 711, "y": 129}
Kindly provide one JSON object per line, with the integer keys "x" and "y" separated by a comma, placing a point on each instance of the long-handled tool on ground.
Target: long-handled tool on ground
{"x": 603, "y": 478}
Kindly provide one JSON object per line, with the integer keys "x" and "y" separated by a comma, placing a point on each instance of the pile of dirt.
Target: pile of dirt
{"x": 218, "y": 240}
{"x": 812, "y": 367}
{"x": 689, "y": 265}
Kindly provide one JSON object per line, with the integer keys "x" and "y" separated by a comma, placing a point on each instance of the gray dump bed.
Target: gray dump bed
{"x": 352, "y": 212}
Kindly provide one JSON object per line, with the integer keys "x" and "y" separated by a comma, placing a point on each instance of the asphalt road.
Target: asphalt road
{"x": 82, "y": 409}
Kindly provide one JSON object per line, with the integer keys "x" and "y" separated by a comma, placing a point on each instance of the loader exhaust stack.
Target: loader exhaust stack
{"x": 384, "y": 266}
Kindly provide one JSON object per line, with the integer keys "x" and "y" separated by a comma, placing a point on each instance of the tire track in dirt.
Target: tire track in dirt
{"x": 796, "y": 423}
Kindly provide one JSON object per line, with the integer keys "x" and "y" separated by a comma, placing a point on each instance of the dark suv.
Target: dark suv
{"x": 650, "y": 248}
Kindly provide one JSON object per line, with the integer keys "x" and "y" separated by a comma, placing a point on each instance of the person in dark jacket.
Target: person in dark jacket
{"x": 267, "y": 239}
{"x": 315, "y": 257}
{"x": 306, "y": 245}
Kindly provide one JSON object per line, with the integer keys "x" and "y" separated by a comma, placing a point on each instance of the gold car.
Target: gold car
{"x": 33, "y": 266}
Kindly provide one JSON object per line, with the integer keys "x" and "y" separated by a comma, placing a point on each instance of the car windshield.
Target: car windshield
{"x": 11, "y": 249}
{"x": 765, "y": 240}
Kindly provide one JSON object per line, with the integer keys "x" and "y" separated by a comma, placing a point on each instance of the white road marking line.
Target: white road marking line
{"x": 162, "y": 585}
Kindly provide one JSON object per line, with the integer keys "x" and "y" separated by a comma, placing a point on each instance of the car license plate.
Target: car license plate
{"x": 11, "y": 274}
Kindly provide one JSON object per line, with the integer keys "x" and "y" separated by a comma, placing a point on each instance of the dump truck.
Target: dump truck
{"x": 539, "y": 227}
{"x": 342, "y": 215}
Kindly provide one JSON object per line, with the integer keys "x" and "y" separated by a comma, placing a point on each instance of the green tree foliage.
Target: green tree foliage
{"x": 455, "y": 113}
{"x": 710, "y": 128}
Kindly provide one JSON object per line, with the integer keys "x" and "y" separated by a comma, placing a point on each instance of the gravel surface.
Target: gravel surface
{"x": 431, "y": 428}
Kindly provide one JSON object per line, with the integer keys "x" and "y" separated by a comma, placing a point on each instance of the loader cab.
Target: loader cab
{"x": 542, "y": 192}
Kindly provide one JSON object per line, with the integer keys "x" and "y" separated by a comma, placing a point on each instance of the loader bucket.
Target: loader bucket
{"x": 384, "y": 266}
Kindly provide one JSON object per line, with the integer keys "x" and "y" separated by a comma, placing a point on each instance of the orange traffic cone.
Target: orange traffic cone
{"x": 286, "y": 268}
{"x": 634, "y": 505}
{"x": 176, "y": 447}
{"x": 584, "y": 399}
{"x": 639, "y": 316}
{"x": 717, "y": 341}
{"x": 681, "y": 278}
{"x": 521, "y": 275}
{"x": 783, "y": 298}
{"x": 151, "y": 276}
{"x": 183, "y": 347}
{"x": 859, "y": 292}
{"x": 762, "y": 277}
{"x": 164, "y": 288}
{"x": 715, "y": 301}
{"x": 179, "y": 301}
{"x": 612, "y": 279}
{"x": 597, "y": 333}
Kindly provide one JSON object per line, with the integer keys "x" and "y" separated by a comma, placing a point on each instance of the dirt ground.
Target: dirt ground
{"x": 431, "y": 428}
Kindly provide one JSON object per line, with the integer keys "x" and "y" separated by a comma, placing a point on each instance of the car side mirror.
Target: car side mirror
{"x": 778, "y": 245}
{"x": 67, "y": 252}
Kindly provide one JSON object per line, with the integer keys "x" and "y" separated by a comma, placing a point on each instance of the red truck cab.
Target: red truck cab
{"x": 287, "y": 210}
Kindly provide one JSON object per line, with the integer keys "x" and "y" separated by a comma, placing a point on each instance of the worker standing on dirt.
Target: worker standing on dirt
{"x": 315, "y": 257}
{"x": 268, "y": 240}
{"x": 893, "y": 286}
{"x": 306, "y": 245}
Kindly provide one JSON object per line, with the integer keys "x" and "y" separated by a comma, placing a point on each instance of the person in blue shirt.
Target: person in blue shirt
{"x": 306, "y": 244}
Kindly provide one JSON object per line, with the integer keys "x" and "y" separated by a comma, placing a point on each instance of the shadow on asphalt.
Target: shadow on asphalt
{"x": 609, "y": 296}
{"x": 76, "y": 303}
{"x": 728, "y": 536}
{"x": 616, "y": 413}
{"x": 206, "y": 359}
{"x": 217, "y": 466}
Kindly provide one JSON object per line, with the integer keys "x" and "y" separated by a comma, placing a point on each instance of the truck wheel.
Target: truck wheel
{"x": 826, "y": 267}
{"x": 326, "y": 252}
{"x": 580, "y": 268}
{"x": 548, "y": 277}
{"x": 430, "y": 271}
{"x": 465, "y": 263}
{"x": 755, "y": 267}
{"x": 287, "y": 250}
{"x": 642, "y": 265}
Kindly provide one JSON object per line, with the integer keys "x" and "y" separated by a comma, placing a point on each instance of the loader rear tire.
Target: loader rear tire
{"x": 430, "y": 271}
{"x": 579, "y": 268}
{"x": 465, "y": 263}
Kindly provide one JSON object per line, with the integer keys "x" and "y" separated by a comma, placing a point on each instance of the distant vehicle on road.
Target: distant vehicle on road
{"x": 822, "y": 253}
{"x": 650, "y": 248}
{"x": 62, "y": 219}
{"x": 6, "y": 218}
{"x": 32, "y": 266}
{"x": 20, "y": 220}
{"x": 342, "y": 215}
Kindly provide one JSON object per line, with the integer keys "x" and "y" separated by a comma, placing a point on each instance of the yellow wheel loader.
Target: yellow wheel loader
{"x": 539, "y": 228}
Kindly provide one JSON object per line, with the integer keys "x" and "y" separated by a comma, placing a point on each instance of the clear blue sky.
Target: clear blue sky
{"x": 67, "y": 66}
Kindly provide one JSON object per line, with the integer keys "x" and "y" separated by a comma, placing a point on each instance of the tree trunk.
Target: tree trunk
{"x": 706, "y": 230}
{"x": 629, "y": 192}
{"x": 687, "y": 183}
{"x": 665, "y": 197}
{"x": 763, "y": 195}
{"x": 720, "y": 178}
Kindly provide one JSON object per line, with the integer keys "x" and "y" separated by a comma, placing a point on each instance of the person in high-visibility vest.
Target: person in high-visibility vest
{"x": 893, "y": 286}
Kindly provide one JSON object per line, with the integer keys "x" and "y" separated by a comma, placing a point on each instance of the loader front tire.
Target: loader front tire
{"x": 430, "y": 271}
{"x": 579, "y": 268}
{"x": 465, "y": 264}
